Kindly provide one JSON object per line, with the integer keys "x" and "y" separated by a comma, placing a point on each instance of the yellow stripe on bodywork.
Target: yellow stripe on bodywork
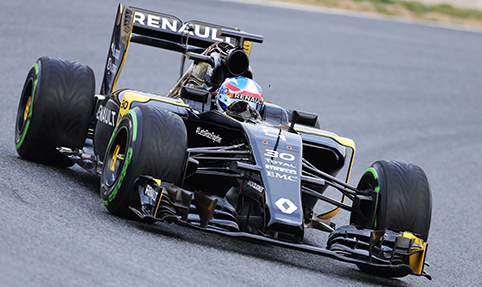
{"x": 341, "y": 140}
{"x": 129, "y": 97}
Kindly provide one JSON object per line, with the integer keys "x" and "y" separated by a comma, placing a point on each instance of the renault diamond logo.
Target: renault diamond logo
{"x": 286, "y": 206}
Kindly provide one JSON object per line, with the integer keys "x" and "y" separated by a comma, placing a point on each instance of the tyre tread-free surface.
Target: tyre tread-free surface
{"x": 408, "y": 204}
{"x": 59, "y": 111}
{"x": 405, "y": 199}
{"x": 405, "y": 202}
{"x": 151, "y": 142}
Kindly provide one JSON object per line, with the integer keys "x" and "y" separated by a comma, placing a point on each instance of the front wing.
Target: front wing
{"x": 388, "y": 253}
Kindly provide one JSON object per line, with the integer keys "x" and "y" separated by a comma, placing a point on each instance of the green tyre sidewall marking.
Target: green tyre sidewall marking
{"x": 27, "y": 124}
{"x": 128, "y": 159}
{"x": 373, "y": 171}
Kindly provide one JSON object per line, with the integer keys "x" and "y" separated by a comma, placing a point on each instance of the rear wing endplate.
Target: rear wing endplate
{"x": 162, "y": 31}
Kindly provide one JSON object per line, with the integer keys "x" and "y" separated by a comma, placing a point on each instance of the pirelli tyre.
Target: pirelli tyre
{"x": 147, "y": 141}
{"x": 405, "y": 201}
{"x": 55, "y": 110}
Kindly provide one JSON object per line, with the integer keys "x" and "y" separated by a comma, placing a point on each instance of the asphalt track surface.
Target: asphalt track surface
{"x": 403, "y": 91}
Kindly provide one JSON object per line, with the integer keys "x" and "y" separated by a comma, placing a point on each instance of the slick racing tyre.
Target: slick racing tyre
{"x": 405, "y": 201}
{"x": 147, "y": 141}
{"x": 55, "y": 109}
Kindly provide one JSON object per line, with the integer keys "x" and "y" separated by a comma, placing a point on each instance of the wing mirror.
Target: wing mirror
{"x": 304, "y": 118}
{"x": 194, "y": 94}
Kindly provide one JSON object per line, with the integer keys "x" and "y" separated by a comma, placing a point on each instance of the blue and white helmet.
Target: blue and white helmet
{"x": 240, "y": 89}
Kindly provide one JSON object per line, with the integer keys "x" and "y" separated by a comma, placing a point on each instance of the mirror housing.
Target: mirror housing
{"x": 303, "y": 118}
{"x": 194, "y": 94}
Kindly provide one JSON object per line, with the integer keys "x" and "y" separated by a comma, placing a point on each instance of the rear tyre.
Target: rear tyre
{"x": 147, "y": 141}
{"x": 55, "y": 109}
{"x": 405, "y": 201}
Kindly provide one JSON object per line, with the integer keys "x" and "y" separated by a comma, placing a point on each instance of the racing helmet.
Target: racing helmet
{"x": 240, "y": 89}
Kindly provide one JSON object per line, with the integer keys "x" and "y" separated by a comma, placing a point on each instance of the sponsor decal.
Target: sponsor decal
{"x": 111, "y": 67}
{"x": 114, "y": 58}
{"x": 151, "y": 193}
{"x": 155, "y": 21}
{"x": 209, "y": 135}
{"x": 248, "y": 98}
{"x": 114, "y": 51}
{"x": 286, "y": 206}
{"x": 280, "y": 163}
{"x": 106, "y": 116}
{"x": 278, "y": 175}
{"x": 174, "y": 25}
{"x": 255, "y": 186}
{"x": 280, "y": 169}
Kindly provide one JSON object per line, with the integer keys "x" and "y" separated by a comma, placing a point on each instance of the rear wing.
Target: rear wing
{"x": 163, "y": 31}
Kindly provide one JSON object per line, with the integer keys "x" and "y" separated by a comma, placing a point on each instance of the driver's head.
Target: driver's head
{"x": 240, "y": 89}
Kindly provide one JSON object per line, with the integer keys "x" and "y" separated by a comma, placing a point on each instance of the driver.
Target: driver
{"x": 240, "y": 97}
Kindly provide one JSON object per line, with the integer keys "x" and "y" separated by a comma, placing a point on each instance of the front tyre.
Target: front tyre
{"x": 55, "y": 109}
{"x": 147, "y": 141}
{"x": 405, "y": 200}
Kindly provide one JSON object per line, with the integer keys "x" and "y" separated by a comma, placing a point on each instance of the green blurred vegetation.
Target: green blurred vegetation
{"x": 383, "y": 6}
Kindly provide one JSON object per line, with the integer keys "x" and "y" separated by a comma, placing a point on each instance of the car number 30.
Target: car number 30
{"x": 281, "y": 155}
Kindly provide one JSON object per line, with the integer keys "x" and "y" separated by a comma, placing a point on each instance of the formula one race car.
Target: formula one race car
{"x": 212, "y": 154}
